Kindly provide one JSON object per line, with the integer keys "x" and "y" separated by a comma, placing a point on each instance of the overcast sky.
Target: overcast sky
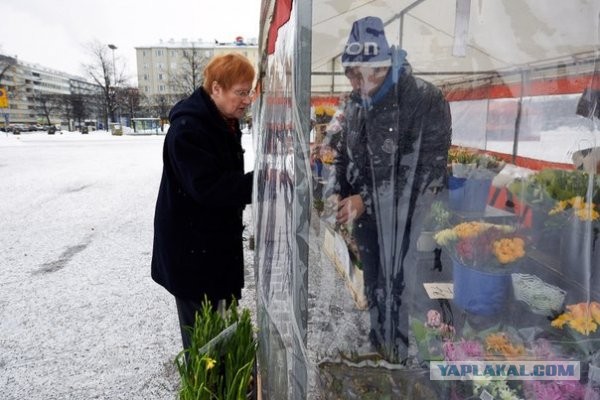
{"x": 53, "y": 33}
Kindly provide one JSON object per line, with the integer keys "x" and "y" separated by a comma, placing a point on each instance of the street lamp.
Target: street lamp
{"x": 113, "y": 48}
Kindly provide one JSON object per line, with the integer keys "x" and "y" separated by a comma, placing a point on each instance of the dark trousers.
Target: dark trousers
{"x": 389, "y": 332}
{"x": 186, "y": 310}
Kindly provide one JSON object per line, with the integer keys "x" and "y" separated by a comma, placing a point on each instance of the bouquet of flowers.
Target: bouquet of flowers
{"x": 324, "y": 113}
{"x": 483, "y": 245}
{"x": 470, "y": 163}
{"x": 581, "y": 317}
{"x": 578, "y": 206}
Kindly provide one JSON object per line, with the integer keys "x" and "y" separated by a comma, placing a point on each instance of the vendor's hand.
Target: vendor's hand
{"x": 349, "y": 209}
{"x": 331, "y": 205}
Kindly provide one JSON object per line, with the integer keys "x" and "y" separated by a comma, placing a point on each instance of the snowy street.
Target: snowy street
{"x": 80, "y": 316}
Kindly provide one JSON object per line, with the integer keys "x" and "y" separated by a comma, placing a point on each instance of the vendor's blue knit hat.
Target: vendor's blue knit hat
{"x": 367, "y": 45}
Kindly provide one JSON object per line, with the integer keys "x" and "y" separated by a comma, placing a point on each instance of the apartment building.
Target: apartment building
{"x": 28, "y": 83}
{"x": 166, "y": 69}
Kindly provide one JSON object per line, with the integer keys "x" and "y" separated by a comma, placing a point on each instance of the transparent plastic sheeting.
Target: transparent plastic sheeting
{"x": 441, "y": 205}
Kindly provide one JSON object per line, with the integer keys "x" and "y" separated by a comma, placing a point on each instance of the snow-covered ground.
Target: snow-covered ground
{"x": 80, "y": 317}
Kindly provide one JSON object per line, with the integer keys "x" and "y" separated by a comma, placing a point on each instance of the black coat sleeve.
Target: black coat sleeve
{"x": 205, "y": 168}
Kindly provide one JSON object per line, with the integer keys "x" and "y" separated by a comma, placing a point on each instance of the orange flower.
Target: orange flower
{"x": 579, "y": 310}
{"x": 498, "y": 343}
{"x": 595, "y": 311}
{"x": 469, "y": 229}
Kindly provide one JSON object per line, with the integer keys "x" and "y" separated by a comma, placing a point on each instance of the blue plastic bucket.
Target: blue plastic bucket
{"x": 479, "y": 292}
{"x": 468, "y": 194}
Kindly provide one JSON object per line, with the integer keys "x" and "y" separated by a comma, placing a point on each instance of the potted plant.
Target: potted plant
{"x": 579, "y": 244}
{"x": 438, "y": 218}
{"x": 546, "y": 193}
{"x": 470, "y": 179}
{"x": 483, "y": 257}
{"x": 220, "y": 363}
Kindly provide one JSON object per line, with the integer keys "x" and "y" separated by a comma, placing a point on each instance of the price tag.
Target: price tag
{"x": 439, "y": 290}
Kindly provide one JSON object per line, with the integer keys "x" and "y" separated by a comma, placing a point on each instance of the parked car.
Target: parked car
{"x": 84, "y": 129}
{"x": 51, "y": 130}
{"x": 16, "y": 129}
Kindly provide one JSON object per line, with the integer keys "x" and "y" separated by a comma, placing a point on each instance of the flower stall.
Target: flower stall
{"x": 436, "y": 233}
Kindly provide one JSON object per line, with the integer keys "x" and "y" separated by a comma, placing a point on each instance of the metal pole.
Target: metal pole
{"x": 113, "y": 48}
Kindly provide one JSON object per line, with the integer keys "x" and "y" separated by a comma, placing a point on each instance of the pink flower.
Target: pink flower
{"x": 434, "y": 319}
{"x": 463, "y": 350}
{"x": 558, "y": 390}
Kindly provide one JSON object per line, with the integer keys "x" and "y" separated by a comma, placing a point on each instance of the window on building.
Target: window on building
{"x": 160, "y": 77}
{"x": 146, "y": 89}
{"x": 159, "y": 52}
{"x": 145, "y": 77}
{"x": 161, "y": 88}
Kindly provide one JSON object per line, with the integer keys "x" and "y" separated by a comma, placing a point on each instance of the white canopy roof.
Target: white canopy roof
{"x": 550, "y": 37}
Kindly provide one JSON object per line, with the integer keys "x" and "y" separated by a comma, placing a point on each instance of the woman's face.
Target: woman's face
{"x": 232, "y": 102}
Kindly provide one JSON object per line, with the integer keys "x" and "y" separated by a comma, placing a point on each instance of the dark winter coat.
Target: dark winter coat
{"x": 203, "y": 191}
{"x": 407, "y": 131}
{"x": 398, "y": 144}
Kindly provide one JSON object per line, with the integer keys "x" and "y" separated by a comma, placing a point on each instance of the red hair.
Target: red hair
{"x": 227, "y": 70}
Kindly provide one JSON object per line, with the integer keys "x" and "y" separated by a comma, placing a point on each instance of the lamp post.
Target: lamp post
{"x": 113, "y": 48}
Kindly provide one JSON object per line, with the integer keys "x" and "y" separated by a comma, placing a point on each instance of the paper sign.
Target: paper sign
{"x": 439, "y": 290}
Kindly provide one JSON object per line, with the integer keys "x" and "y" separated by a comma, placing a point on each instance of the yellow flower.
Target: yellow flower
{"x": 577, "y": 202}
{"x": 445, "y": 237}
{"x": 585, "y": 326}
{"x": 560, "y": 321}
{"x": 210, "y": 363}
{"x": 559, "y": 207}
{"x": 469, "y": 229}
{"x": 581, "y": 317}
{"x": 587, "y": 213}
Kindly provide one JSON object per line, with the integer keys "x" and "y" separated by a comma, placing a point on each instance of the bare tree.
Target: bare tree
{"x": 129, "y": 100}
{"x": 74, "y": 107}
{"x": 48, "y": 104}
{"x": 159, "y": 106}
{"x": 107, "y": 74}
{"x": 189, "y": 73}
{"x": 5, "y": 64}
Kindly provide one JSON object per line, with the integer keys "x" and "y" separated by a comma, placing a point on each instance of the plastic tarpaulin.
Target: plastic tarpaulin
{"x": 427, "y": 196}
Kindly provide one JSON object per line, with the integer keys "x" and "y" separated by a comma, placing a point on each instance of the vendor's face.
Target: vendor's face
{"x": 366, "y": 80}
{"x": 232, "y": 102}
